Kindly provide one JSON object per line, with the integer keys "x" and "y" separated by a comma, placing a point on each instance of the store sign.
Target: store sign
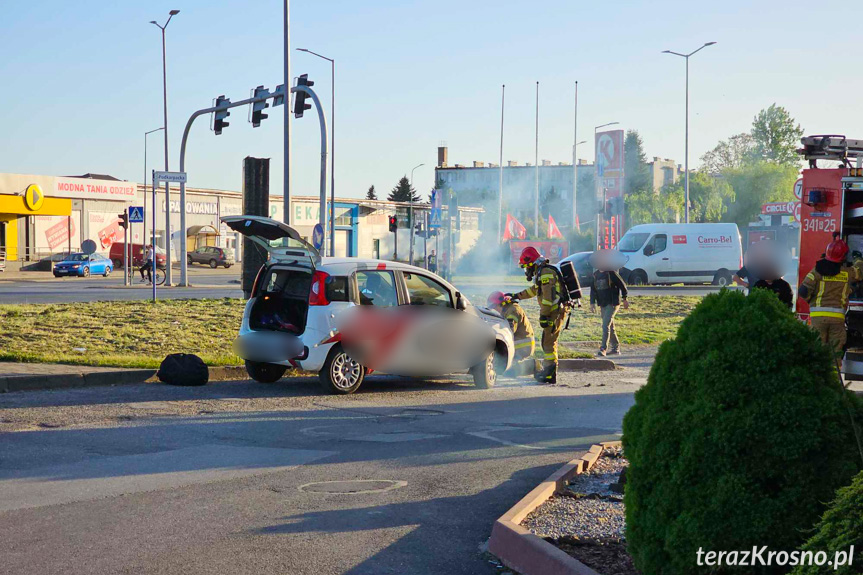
{"x": 777, "y": 208}
{"x": 207, "y": 208}
{"x": 609, "y": 163}
{"x": 87, "y": 189}
{"x": 60, "y": 233}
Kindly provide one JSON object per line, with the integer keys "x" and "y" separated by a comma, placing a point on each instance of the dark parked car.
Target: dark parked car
{"x": 582, "y": 267}
{"x": 213, "y": 256}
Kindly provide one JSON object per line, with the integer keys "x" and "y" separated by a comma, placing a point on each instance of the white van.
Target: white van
{"x": 681, "y": 253}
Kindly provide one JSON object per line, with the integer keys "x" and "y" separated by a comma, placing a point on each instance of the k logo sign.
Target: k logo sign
{"x": 33, "y": 197}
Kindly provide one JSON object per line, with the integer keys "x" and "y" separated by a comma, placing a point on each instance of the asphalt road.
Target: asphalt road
{"x": 233, "y": 478}
{"x": 206, "y": 283}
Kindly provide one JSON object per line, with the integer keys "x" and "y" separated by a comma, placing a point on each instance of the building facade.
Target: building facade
{"x": 74, "y": 209}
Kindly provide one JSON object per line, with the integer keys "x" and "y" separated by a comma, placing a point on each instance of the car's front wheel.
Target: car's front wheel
{"x": 86, "y": 272}
{"x": 189, "y": 260}
{"x": 265, "y": 372}
{"x": 107, "y": 271}
{"x": 485, "y": 374}
{"x": 341, "y": 373}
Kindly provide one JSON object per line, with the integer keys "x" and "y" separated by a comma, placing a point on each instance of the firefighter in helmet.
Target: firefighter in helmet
{"x": 521, "y": 328}
{"x": 548, "y": 289}
{"x": 826, "y": 289}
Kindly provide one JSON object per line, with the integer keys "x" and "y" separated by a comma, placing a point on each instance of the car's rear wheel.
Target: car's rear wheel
{"x": 86, "y": 272}
{"x": 485, "y": 374}
{"x": 228, "y": 265}
{"x": 213, "y": 264}
{"x": 341, "y": 373}
{"x": 265, "y": 372}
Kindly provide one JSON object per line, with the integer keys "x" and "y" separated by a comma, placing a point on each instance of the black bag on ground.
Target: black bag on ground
{"x": 183, "y": 369}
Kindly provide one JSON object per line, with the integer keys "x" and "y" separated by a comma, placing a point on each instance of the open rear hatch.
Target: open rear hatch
{"x": 280, "y": 301}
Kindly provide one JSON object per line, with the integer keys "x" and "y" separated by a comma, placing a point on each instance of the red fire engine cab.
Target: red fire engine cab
{"x": 831, "y": 200}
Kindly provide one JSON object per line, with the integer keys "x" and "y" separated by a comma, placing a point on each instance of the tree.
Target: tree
{"x": 371, "y": 194}
{"x": 734, "y": 152}
{"x": 403, "y": 192}
{"x": 709, "y": 196}
{"x": 635, "y": 168}
{"x": 776, "y": 136}
{"x": 646, "y": 206}
{"x": 756, "y": 184}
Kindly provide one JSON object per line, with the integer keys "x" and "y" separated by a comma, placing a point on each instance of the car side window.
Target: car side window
{"x": 657, "y": 244}
{"x": 423, "y": 290}
{"x": 377, "y": 287}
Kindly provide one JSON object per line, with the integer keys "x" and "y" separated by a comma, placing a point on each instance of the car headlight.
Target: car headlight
{"x": 75, "y": 267}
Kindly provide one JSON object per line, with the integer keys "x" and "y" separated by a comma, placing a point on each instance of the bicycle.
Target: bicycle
{"x": 159, "y": 276}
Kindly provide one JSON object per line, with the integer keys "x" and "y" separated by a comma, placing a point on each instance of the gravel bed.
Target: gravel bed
{"x": 588, "y": 509}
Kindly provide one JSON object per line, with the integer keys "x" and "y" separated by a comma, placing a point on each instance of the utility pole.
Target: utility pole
{"x": 500, "y": 165}
{"x": 411, "y": 215}
{"x": 575, "y": 161}
{"x": 287, "y": 174}
{"x": 536, "y": 170}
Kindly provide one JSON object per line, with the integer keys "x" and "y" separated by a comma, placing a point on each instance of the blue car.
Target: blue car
{"x": 83, "y": 265}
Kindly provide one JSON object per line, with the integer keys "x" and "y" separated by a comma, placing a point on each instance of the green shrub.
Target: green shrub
{"x": 839, "y": 529}
{"x": 738, "y": 438}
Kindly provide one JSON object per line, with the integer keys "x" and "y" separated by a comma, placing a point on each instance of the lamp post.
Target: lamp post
{"x": 145, "y": 186}
{"x": 575, "y": 181}
{"x": 598, "y": 183}
{"x": 332, "y": 147}
{"x": 686, "y": 152}
{"x": 411, "y": 214}
{"x": 171, "y": 14}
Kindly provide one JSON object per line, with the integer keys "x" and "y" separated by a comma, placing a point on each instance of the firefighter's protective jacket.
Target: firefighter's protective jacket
{"x": 827, "y": 287}
{"x": 521, "y": 330}
{"x": 547, "y": 289}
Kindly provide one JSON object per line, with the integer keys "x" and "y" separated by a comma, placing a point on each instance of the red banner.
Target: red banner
{"x": 553, "y": 230}
{"x": 58, "y": 234}
{"x": 514, "y": 229}
{"x": 554, "y": 251}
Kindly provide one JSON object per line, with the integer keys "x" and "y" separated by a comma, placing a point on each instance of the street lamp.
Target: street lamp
{"x": 411, "y": 214}
{"x": 686, "y": 153}
{"x": 332, "y": 147}
{"x": 598, "y": 183}
{"x": 171, "y": 14}
{"x": 145, "y": 186}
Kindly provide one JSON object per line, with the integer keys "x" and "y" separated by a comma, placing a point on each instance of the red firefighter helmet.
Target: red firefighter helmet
{"x": 495, "y": 298}
{"x": 529, "y": 255}
{"x": 836, "y": 251}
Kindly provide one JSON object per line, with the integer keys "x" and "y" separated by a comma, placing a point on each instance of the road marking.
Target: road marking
{"x": 122, "y": 475}
{"x": 347, "y": 487}
{"x": 586, "y": 440}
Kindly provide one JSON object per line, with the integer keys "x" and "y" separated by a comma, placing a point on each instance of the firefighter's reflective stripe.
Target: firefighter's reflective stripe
{"x": 520, "y": 343}
{"x": 827, "y": 312}
{"x": 551, "y": 356}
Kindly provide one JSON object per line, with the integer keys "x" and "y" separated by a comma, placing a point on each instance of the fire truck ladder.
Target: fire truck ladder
{"x": 831, "y": 147}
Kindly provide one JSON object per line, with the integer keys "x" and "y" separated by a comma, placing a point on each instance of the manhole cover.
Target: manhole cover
{"x": 353, "y": 487}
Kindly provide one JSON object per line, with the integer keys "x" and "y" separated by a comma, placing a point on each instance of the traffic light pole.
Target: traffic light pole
{"x": 184, "y": 278}
{"x": 322, "y": 119}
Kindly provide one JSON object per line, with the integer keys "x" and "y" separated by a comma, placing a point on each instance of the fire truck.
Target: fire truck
{"x": 831, "y": 201}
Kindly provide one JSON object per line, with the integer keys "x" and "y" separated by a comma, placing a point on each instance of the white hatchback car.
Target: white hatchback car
{"x": 301, "y": 302}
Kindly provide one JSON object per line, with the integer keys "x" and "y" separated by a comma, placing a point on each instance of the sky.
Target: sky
{"x": 80, "y": 82}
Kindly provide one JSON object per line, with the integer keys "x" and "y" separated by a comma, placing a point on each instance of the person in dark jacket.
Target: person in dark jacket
{"x": 780, "y": 287}
{"x": 608, "y": 289}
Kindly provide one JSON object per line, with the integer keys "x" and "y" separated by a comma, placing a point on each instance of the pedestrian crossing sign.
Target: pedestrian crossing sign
{"x": 136, "y": 214}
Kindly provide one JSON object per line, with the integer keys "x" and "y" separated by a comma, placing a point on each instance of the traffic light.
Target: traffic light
{"x": 394, "y": 224}
{"x": 300, "y": 104}
{"x": 259, "y": 107}
{"x": 220, "y": 123}
{"x": 124, "y": 220}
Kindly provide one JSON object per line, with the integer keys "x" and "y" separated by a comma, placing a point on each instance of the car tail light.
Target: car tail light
{"x": 318, "y": 292}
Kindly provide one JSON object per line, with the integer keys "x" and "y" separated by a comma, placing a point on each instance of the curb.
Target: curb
{"x": 530, "y": 554}
{"x": 576, "y": 364}
{"x": 104, "y": 378}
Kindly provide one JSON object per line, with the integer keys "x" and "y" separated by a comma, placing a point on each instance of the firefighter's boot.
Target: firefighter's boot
{"x": 547, "y": 375}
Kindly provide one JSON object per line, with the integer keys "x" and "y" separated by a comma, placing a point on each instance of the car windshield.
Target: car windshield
{"x": 77, "y": 258}
{"x": 632, "y": 242}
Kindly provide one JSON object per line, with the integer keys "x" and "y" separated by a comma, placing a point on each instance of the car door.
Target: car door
{"x": 656, "y": 252}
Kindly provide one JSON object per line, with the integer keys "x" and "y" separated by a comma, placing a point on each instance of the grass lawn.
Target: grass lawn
{"x": 141, "y": 334}
{"x": 122, "y": 334}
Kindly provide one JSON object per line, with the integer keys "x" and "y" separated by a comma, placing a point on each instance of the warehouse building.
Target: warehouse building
{"x": 44, "y": 215}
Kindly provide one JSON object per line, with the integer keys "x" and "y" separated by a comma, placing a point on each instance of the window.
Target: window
{"x": 423, "y": 290}
{"x": 337, "y": 288}
{"x": 377, "y": 288}
{"x": 656, "y": 244}
{"x": 632, "y": 242}
{"x": 288, "y": 282}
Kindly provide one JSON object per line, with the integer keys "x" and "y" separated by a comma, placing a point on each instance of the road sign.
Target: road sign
{"x": 318, "y": 236}
{"x": 435, "y": 216}
{"x": 172, "y": 177}
{"x": 136, "y": 214}
{"x": 798, "y": 189}
{"x": 88, "y": 247}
